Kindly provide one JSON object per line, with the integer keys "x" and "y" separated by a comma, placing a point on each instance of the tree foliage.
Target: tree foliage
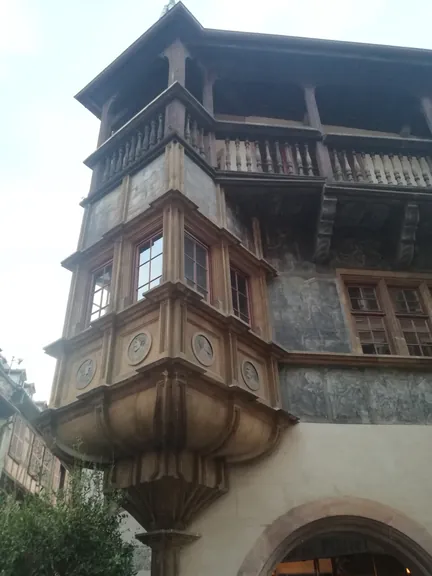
{"x": 78, "y": 534}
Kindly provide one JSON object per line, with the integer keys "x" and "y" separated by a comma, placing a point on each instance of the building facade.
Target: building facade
{"x": 26, "y": 464}
{"x": 247, "y": 347}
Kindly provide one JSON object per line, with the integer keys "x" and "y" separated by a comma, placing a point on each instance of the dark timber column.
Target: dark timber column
{"x": 175, "y": 110}
{"x": 426, "y": 104}
{"x": 323, "y": 156}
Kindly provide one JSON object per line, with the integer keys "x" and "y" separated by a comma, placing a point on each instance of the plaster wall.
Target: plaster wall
{"x": 391, "y": 465}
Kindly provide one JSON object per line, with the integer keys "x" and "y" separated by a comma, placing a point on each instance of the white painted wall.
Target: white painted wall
{"x": 389, "y": 464}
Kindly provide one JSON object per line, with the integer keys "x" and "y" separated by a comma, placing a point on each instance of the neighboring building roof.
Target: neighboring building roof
{"x": 178, "y": 22}
{"x": 14, "y": 396}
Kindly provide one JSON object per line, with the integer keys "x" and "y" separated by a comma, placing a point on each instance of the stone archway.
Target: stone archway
{"x": 405, "y": 538}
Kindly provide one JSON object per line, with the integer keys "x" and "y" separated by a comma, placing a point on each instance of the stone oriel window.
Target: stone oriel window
{"x": 240, "y": 295}
{"x": 390, "y": 315}
{"x": 101, "y": 292}
{"x": 149, "y": 265}
{"x": 196, "y": 268}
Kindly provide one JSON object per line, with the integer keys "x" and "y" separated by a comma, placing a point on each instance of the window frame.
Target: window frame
{"x": 136, "y": 264}
{"x": 384, "y": 283}
{"x": 192, "y": 237}
{"x": 248, "y": 294}
{"x": 92, "y": 292}
{"x": 20, "y": 438}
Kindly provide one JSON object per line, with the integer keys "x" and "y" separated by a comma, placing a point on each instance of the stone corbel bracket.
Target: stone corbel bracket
{"x": 407, "y": 236}
{"x": 325, "y": 226}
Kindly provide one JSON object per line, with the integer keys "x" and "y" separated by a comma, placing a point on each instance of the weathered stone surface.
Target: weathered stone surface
{"x": 145, "y": 186}
{"x": 238, "y": 224}
{"x": 104, "y": 215}
{"x": 200, "y": 188}
{"x": 357, "y": 396}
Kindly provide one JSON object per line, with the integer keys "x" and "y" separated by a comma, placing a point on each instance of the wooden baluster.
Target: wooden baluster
{"x": 119, "y": 164}
{"x": 366, "y": 167}
{"x": 347, "y": 167}
{"x": 160, "y": 128}
{"x": 106, "y": 169}
{"x": 126, "y": 155}
{"x": 387, "y": 169}
{"x": 414, "y": 170}
{"x": 395, "y": 169}
{"x": 238, "y": 157}
{"x": 113, "y": 163}
{"x": 357, "y": 170}
{"x": 425, "y": 171}
{"x": 194, "y": 138}
{"x": 278, "y": 158}
{"x": 405, "y": 171}
{"x": 138, "y": 146}
{"x": 227, "y": 154}
{"x": 153, "y": 133}
{"x": 289, "y": 159}
{"x": 299, "y": 160}
{"x": 248, "y": 156}
{"x": 146, "y": 141}
{"x": 309, "y": 165}
{"x": 338, "y": 170}
{"x": 201, "y": 143}
{"x": 269, "y": 161}
{"x": 377, "y": 169}
{"x": 188, "y": 129}
{"x": 258, "y": 156}
{"x": 132, "y": 150}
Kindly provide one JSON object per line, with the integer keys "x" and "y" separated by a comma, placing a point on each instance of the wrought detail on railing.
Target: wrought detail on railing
{"x": 268, "y": 156}
{"x": 392, "y": 169}
{"x": 196, "y": 136}
{"x": 132, "y": 147}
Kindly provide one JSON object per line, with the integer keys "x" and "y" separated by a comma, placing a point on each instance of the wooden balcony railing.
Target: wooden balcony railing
{"x": 382, "y": 168}
{"x": 197, "y": 135}
{"x": 266, "y": 155}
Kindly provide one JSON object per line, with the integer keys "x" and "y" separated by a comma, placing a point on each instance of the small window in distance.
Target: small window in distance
{"x": 240, "y": 295}
{"x": 101, "y": 292}
{"x": 16, "y": 446}
{"x": 196, "y": 265}
{"x": 149, "y": 265}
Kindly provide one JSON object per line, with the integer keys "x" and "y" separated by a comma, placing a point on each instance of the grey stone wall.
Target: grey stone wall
{"x": 357, "y": 395}
{"x": 200, "y": 188}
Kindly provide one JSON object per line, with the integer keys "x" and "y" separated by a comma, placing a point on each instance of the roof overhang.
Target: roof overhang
{"x": 180, "y": 23}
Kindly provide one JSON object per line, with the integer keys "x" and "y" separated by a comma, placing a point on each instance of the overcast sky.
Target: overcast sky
{"x": 49, "y": 49}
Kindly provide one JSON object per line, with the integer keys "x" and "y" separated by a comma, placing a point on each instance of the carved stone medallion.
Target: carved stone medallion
{"x": 202, "y": 349}
{"x": 139, "y": 347}
{"x": 250, "y": 376}
{"x": 85, "y": 373}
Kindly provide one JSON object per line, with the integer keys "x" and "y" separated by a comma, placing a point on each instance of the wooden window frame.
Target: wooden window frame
{"x": 192, "y": 237}
{"x": 384, "y": 282}
{"x": 92, "y": 292}
{"x": 136, "y": 267}
{"x": 20, "y": 438}
{"x": 248, "y": 294}
{"x": 36, "y": 476}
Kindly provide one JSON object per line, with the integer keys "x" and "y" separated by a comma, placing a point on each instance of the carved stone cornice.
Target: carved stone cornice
{"x": 324, "y": 232}
{"x": 407, "y": 235}
{"x": 357, "y": 360}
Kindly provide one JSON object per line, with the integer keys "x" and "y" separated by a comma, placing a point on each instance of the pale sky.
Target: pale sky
{"x": 49, "y": 49}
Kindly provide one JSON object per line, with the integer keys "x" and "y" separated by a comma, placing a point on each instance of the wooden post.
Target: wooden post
{"x": 208, "y": 92}
{"x": 426, "y": 105}
{"x": 322, "y": 153}
{"x": 106, "y": 120}
{"x": 176, "y": 54}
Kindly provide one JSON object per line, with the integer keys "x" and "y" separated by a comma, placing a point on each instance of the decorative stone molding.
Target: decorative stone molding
{"x": 139, "y": 348}
{"x": 203, "y": 349}
{"x": 407, "y": 237}
{"x": 250, "y": 375}
{"x": 85, "y": 373}
{"x": 324, "y": 234}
